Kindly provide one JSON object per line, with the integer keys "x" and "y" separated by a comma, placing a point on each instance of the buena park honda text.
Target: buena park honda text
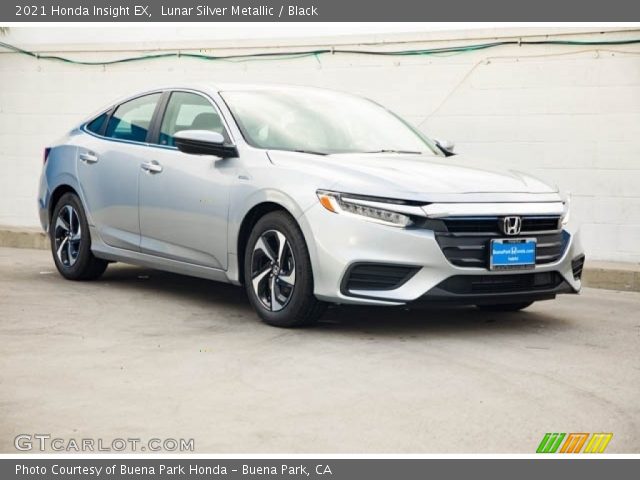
{"x": 306, "y": 197}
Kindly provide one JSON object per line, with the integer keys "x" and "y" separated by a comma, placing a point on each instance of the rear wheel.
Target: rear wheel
{"x": 71, "y": 242}
{"x": 278, "y": 275}
{"x": 505, "y": 307}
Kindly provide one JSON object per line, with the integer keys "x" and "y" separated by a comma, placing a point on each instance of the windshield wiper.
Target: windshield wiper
{"x": 404, "y": 152}
{"x": 308, "y": 151}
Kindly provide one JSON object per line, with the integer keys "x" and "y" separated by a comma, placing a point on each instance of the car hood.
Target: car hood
{"x": 415, "y": 176}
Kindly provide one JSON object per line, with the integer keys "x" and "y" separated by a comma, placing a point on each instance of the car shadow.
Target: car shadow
{"x": 343, "y": 319}
{"x": 434, "y": 320}
{"x": 174, "y": 285}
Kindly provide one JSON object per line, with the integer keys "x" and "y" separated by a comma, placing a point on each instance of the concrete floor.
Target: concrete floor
{"x": 145, "y": 354}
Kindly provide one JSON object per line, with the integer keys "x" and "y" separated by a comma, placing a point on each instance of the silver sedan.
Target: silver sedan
{"x": 306, "y": 197}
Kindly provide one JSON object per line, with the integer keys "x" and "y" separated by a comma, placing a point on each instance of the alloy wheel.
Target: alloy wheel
{"x": 273, "y": 270}
{"x": 67, "y": 236}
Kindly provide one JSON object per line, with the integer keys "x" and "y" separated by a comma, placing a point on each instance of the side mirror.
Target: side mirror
{"x": 446, "y": 147}
{"x": 204, "y": 142}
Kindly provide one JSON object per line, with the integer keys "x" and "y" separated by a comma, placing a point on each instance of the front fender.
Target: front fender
{"x": 241, "y": 208}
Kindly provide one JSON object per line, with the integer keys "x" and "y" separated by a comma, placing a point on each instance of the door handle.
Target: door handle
{"x": 151, "y": 167}
{"x": 88, "y": 157}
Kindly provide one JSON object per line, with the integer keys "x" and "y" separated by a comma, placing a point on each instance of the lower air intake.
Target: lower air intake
{"x": 511, "y": 283}
{"x": 577, "y": 264}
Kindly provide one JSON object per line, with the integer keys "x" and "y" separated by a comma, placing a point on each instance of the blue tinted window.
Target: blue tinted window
{"x": 96, "y": 124}
{"x": 132, "y": 119}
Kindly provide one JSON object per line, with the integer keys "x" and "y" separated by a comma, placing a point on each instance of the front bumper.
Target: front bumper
{"x": 337, "y": 242}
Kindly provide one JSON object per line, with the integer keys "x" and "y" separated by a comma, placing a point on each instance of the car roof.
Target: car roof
{"x": 226, "y": 87}
{"x": 211, "y": 87}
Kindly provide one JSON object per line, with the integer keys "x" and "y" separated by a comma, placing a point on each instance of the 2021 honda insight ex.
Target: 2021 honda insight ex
{"x": 305, "y": 196}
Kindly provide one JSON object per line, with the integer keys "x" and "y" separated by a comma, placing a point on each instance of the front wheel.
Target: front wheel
{"x": 71, "y": 243}
{"x": 505, "y": 307}
{"x": 278, "y": 275}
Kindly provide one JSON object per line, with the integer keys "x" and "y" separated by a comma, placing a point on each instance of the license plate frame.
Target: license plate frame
{"x": 522, "y": 258}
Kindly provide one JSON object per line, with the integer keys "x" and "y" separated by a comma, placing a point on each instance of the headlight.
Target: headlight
{"x": 567, "y": 209}
{"x": 374, "y": 210}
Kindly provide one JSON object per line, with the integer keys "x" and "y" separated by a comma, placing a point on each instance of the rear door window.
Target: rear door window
{"x": 95, "y": 125}
{"x": 132, "y": 119}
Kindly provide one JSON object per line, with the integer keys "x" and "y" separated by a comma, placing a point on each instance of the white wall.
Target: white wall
{"x": 568, "y": 114}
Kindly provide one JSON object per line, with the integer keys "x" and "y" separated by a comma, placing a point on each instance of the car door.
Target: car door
{"x": 184, "y": 198}
{"x": 109, "y": 160}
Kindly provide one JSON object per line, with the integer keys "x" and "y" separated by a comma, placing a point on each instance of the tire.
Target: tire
{"x": 270, "y": 265}
{"x": 71, "y": 241}
{"x": 505, "y": 307}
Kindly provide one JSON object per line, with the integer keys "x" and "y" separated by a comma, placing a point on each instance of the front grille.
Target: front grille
{"x": 491, "y": 225}
{"x": 508, "y": 283}
{"x": 577, "y": 264}
{"x": 465, "y": 241}
{"x": 376, "y": 276}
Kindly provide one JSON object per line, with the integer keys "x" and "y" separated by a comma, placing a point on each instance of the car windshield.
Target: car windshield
{"x": 322, "y": 122}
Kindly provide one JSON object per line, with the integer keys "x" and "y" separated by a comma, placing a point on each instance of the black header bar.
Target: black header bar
{"x": 318, "y": 11}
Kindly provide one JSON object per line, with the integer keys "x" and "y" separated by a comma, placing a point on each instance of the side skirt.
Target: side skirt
{"x": 106, "y": 252}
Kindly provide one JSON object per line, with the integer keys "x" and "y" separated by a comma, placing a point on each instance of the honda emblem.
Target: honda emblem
{"x": 511, "y": 225}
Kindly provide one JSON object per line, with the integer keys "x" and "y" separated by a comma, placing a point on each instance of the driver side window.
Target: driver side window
{"x": 189, "y": 111}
